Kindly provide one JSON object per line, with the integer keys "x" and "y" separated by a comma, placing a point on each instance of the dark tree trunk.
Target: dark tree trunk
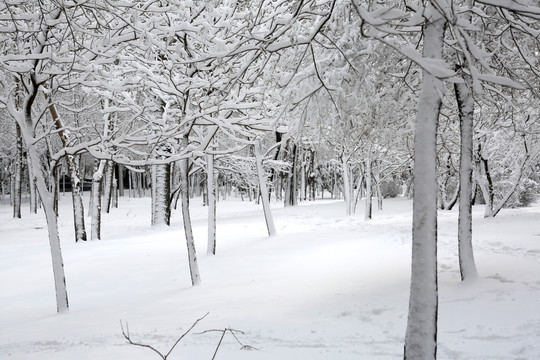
{"x": 291, "y": 197}
{"x": 108, "y": 186}
{"x": 18, "y": 171}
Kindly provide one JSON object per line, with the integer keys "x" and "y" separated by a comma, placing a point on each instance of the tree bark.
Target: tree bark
{"x": 188, "y": 230}
{"x": 380, "y": 197}
{"x": 32, "y": 188}
{"x": 76, "y": 197}
{"x": 369, "y": 195}
{"x": 347, "y": 185}
{"x": 120, "y": 180}
{"x": 493, "y": 209}
{"x": 47, "y": 201}
{"x": 211, "y": 190}
{"x": 264, "y": 192}
{"x": 161, "y": 194}
{"x": 17, "y": 178}
{"x": 465, "y": 101}
{"x": 291, "y": 198}
{"x": 108, "y": 185}
{"x": 303, "y": 184}
{"x": 95, "y": 207}
{"x": 75, "y": 177}
{"x": 421, "y": 333}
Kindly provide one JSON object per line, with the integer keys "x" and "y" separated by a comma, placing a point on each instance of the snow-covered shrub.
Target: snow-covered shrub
{"x": 390, "y": 188}
{"x": 526, "y": 193}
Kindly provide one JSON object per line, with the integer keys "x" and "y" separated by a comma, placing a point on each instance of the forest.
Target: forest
{"x": 136, "y": 126}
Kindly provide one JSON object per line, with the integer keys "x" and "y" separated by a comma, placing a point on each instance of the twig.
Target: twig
{"x": 127, "y": 336}
{"x": 223, "y": 332}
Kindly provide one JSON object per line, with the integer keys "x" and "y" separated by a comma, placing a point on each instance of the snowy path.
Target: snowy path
{"x": 327, "y": 287}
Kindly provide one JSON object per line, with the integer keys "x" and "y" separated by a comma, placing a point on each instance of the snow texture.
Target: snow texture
{"x": 327, "y": 287}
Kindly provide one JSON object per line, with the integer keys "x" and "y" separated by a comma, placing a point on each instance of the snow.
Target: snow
{"x": 327, "y": 286}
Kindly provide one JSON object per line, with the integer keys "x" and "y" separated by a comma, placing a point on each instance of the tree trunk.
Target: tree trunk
{"x": 120, "y": 180}
{"x": 303, "y": 185}
{"x": 114, "y": 198}
{"x": 485, "y": 187}
{"x": 95, "y": 207}
{"x": 47, "y": 200}
{"x": 188, "y": 230}
{"x": 161, "y": 194}
{"x": 32, "y": 188}
{"x": 444, "y": 202}
{"x": 380, "y": 197}
{"x": 465, "y": 101}
{"x": 291, "y": 193}
{"x": 77, "y": 199}
{"x": 358, "y": 193}
{"x": 421, "y": 333}
{"x": 211, "y": 190}
{"x": 369, "y": 195}
{"x": 130, "y": 184}
{"x": 264, "y": 191}
{"x": 62, "y": 303}
{"x": 108, "y": 185}
{"x": 54, "y": 188}
{"x": 311, "y": 176}
{"x": 493, "y": 209}
{"x": 75, "y": 176}
{"x": 17, "y": 178}
{"x": 347, "y": 184}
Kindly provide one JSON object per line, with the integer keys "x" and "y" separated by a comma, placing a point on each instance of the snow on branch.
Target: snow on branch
{"x": 521, "y": 7}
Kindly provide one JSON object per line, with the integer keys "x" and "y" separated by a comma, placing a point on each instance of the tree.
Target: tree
{"x": 36, "y": 62}
{"x": 74, "y": 175}
{"x": 421, "y": 335}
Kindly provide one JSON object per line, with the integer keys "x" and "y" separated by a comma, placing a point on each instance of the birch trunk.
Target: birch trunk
{"x": 76, "y": 197}
{"x": 161, "y": 193}
{"x": 95, "y": 207}
{"x": 421, "y": 333}
{"x": 211, "y": 189}
{"x": 264, "y": 192}
{"x": 188, "y": 230}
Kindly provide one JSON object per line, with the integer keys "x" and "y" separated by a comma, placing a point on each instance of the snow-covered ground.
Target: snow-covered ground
{"x": 327, "y": 287}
